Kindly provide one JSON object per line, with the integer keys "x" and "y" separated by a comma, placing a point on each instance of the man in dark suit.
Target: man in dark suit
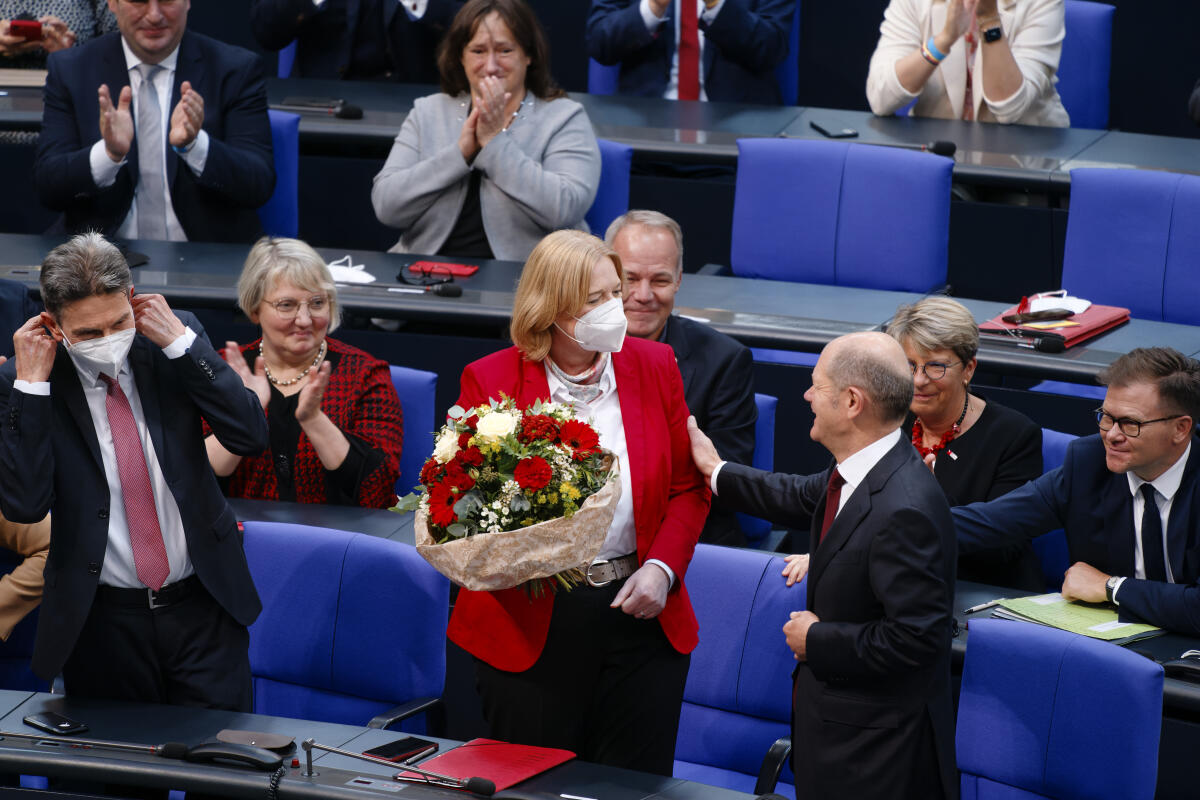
{"x": 356, "y": 39}
{"x": 16, "y": 306}
{"x": 872, "y": 714}
{"x": 156, "y": 133}
{"x": 1115, "y": 495}
{"x": 147, "y": 593}
{"x": 741, "y": 42}
{"x": 718, "y": 379}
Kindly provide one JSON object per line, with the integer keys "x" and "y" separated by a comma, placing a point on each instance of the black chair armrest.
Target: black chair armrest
{"x": 772, "y": 765}
{"x": 715, "y": 269}
{"x": 403, "y": 711}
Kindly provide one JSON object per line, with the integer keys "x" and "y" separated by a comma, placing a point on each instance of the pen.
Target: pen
{"x": 414, "y": 759}
{"x": 982, "y": 606}
{"x": 575, "y": 797}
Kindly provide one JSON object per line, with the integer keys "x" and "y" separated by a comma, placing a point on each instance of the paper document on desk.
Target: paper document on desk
{"x": 1098, "y": 621}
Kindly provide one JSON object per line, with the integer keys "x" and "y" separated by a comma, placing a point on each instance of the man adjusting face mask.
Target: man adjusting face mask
{"x": 105, "y": 354}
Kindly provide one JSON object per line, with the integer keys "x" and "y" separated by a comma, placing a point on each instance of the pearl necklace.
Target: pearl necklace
{"x": 320, "y": 357}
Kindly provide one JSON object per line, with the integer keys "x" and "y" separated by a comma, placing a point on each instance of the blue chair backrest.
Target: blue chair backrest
{"x": 1046, "y": 713}
{"x": 602, "y": 79}
{"x": 417, "y": 390}
{"x": 764, "y": 458}
{"x": 737, "y": 701}
{"x": 787, "y": 74}
{"x": 1084, "y": 66}
{"x": 352, "y": 625}
{"x": 287, "y": 58}
{"x": 280, "y": 216}
{"x": 612, "y": 197}
{"x": 841, "y": 214}
{"x": 1143, "y": 220}
{"x": 1051, "y": 548}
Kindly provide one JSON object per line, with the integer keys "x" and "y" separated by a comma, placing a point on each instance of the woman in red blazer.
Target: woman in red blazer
{"x": 598, "y": 670}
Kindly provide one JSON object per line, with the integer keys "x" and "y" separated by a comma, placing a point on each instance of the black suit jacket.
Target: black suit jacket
{"x": 718, "y": 384}
{"x": 239, "y": 174}
{"x": 50, "y": 462}
{"x": 748, "y": 39}
{"x": 324, "y": 36}
{"x": 16, "y": 307}
{"x": 873, "y": 716}
{"x": 1095, "y": 509}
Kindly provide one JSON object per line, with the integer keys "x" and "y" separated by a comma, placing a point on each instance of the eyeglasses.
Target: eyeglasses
{"x": 287, "y": 308}
{"x": 934, "y": 370}
{"x": 1130, "y": 427}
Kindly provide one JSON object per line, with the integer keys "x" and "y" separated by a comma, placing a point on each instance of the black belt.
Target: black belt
{"x": 147, "y": 598}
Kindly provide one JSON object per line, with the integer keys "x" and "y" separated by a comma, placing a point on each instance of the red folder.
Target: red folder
{"x": 501, "y": 763}
{"x": 1093, "y": 322}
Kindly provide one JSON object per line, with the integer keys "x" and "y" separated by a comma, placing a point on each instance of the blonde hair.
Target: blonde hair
{"x": 935, "y": 323}
{"x": 273, "y": 260}
{"x": 556, "y": 280}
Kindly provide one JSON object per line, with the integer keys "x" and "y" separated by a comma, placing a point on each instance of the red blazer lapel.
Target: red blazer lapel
{"x": 534, "y": 385}
{"x": 630, "y": 392}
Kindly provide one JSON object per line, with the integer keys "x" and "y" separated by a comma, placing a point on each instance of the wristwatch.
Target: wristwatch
{"x": 1110, "y": 586}
{"x": 993, "y": 33}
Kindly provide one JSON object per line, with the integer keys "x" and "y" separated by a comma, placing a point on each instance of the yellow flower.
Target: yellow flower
{"x": 569, "y": 491}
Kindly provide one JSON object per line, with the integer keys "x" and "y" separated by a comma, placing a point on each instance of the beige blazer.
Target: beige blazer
{"x": 21, "y": 589}
{"x": 1034, "y": 30}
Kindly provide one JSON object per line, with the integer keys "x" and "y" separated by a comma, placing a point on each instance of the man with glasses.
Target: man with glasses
{"x": 1127, "y": 497}
{"x": 155, "y": 132}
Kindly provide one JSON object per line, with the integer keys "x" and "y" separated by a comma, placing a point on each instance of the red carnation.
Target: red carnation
{"x": 457, "y": 476}
{"x": 538, "y": 426}
{"x": 470, "y": 457}
{"x": 472, "y": 422}
{"x": 533, "y": 473}
{"x": 580, "y": 437}
{"x": 464, "y": 439}
{"x": 441, "y": 506}
{"x": 430, "y": 472}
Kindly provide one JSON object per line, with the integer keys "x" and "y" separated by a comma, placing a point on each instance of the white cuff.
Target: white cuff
{"x": 318, "y": 3}
{"x": 415, "y": 9}
{"x": 180, "y": 346}
{"x": 40, "y": 388}
{"x": 652, "y": 22}
{"x": 104, "y": 171}
{"x": 1117, "y": 588}
{"x": 198, "y": 155}
{"x": 654, "y": 561}
{"x": 712, "y": 481}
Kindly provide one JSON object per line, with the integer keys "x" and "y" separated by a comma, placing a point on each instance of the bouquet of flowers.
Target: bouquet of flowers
{"x": 511, "y": 497}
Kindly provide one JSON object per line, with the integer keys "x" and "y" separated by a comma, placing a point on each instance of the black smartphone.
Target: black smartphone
{"x": 402, "y": 749}
{"x": 844, "y": 133}
{"x": 50, "y": 722}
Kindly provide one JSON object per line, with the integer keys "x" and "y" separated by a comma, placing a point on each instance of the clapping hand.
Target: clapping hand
{"x": 55, "y": 34}
{"x": 309, "y": 404}
{"x": 255, "y": 381}
{"x": 116, "y": 123}
{"x": 960, "y": 15}
{"x": 187, "y": 118}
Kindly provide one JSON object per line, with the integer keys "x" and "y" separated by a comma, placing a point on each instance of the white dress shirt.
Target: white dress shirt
{"x": 604, "y": 414}
{"x": 653, "y": 23}
{"x": 104, "y": 171}
{"x": 119, "y": 569}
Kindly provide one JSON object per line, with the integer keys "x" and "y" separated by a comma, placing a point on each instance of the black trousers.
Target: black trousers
{"x": 189, "y": 653}
{"x": 607, "y": 687}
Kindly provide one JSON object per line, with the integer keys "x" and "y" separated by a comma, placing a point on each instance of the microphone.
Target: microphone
{"x": 480, "y": 786}
{"x": 941, "y": 147}
{"x": 440, "y": 289}
{"x": 175, "y": 750}
{"x": 331, "y": 106}
{"x": 1043, "y": 344}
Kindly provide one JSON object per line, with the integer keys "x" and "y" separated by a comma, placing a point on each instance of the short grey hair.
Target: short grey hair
{"x": 86, "y": 265}
{"x": 934, "y": 323}
{"x": 651, "y": 219}
{"x": 888, "y": 389}
{"x": 272, "y": 260}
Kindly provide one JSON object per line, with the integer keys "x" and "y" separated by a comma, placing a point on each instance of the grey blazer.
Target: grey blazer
{"x": 538, "y": 176}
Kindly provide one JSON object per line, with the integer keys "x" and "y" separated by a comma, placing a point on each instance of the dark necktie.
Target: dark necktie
{"x": 689, "y": 51}
{"x": 1152, "y": 537}
{"x": 149, "y": 552}
{"x": 833, "y": 496}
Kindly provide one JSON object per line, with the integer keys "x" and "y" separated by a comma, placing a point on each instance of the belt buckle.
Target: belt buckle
{"x": 152, "y": 597}
{"x": 588, "y": 574}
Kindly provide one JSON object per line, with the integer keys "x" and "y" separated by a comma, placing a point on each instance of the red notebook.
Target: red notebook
{"x": 501, "y": 763}
{"x": 1093, "y": 322}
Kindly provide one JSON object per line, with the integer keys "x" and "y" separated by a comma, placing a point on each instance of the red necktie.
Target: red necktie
{"x": 833, "y": 496}
{"x": 149, "y": 553}
{"x": 689, "y": 51}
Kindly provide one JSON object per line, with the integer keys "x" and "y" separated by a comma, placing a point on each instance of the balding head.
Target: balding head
{"x": 874, "y": 363}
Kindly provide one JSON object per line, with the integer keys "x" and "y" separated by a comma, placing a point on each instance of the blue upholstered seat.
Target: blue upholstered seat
{"x": 1049, "y": 714}
{"x": 612, "y": 197}
{"x": 418, "y": 397}
{"x": 280, "y": 216}
{"x": 756, "y": 528}
{"x": 1051, "y": 548}
{"x": 1085, "y": 63}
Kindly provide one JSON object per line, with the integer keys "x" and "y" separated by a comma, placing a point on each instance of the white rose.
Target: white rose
{"x": 495, "y": 426}
{"x": 446, "y": 447}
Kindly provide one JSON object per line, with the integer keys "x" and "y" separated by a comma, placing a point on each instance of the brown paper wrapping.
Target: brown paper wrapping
{"x": 491, "y": 561}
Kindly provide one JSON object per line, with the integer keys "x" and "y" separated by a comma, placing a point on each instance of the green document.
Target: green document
{"x": 1096, "y": 620}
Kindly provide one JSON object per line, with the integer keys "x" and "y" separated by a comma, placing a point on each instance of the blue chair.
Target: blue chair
{"x": 417, "y": 390}
{"x": 287, "y": 58}
{"x": 1048, "y": 714}
{"x": 612, "y": 197}
{"x": 764, "y": 458}
{"x": 1051, "y": 548}
{"x": 602, "y": 79}
{"x": 841, "y": 214}
{"x": 1085, "y": 63}
{"x": 737, "y": 702}
{"x": 280, "y": 216}
{"x": 352, "y": 630}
